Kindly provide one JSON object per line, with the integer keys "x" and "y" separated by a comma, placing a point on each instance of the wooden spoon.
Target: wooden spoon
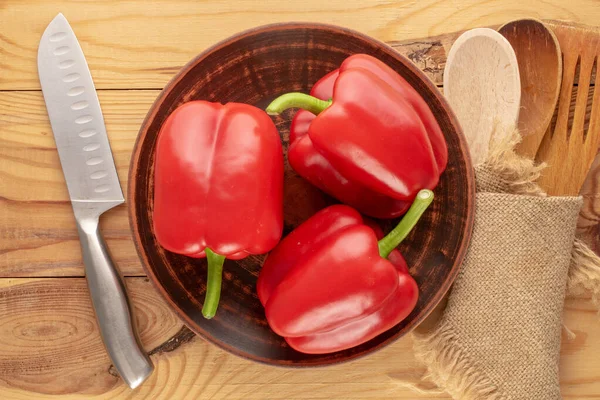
{"x": 540, "y": 69}
{"x": 481, "y": 83}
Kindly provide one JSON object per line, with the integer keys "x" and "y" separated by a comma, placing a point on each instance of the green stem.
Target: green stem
{"x": 213, "y": 283}
{"x": 410, "y": 219}
{"x": 297, "y": 100}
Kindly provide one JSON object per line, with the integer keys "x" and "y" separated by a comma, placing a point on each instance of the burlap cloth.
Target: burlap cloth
{"x": 499, "y": 335}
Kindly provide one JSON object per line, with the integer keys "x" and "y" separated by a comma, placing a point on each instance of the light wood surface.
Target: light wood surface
{"x": 142, "y": 43}
{"x": 49, "y": 343}
{"x": 49, "y": 346}
{"x": 38, "y": 236}
{"x": 482, "y": 85}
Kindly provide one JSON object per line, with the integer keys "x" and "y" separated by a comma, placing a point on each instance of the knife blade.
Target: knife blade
{"x": 93, "y": 184}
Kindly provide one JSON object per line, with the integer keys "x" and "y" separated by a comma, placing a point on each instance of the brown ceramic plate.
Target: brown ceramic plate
{"x": 254, "y": 67}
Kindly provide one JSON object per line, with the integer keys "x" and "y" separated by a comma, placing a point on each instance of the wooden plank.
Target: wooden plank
{"x": 142, "y": 43}
{"x": 50, "y": 345}
{"x": 37, "y": 230}
{"x": 428, "y": 54}
{"x": 38, "y": 236}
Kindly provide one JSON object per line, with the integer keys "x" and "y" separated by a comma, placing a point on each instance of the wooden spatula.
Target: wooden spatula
{"x": 570, "y": 145}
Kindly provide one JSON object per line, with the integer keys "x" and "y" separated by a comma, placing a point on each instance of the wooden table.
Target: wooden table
{"x": 49, "y": 341}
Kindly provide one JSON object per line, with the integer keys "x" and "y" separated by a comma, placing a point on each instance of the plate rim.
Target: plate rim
{"x": 273, "y": 27}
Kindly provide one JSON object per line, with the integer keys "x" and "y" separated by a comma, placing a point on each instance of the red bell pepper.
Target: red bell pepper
{"x": 331, "y": 285}
{"x": 374, "y": 146}
{"x": 218, "y": 186}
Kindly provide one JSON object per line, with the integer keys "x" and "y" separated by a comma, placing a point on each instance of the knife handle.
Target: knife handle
{"x": 111, "y": 304}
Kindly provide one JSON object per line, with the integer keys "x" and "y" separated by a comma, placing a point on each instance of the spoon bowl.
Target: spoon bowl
{"x": 540, "y": 69}
{"x": 481, "y": 83}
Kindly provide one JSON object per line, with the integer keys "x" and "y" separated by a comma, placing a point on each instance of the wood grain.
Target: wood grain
{"x": 569, "y": 149}
{"x": 50, "y": 345}
{"x": 38, "y": 236}
{"x": 33, "y": 197}
{"x": 482, "y": 85}
{"x": 540, "y": 69}
{"x": 49, "y": 339}
{"x": 141, "y": 44}
{"x": 37, "y": 230}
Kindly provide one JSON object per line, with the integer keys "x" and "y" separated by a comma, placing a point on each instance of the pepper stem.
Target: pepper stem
{"x": 213, "y": 283}
{"x": 406, "y": 224}
{"x": 297, "y": 100}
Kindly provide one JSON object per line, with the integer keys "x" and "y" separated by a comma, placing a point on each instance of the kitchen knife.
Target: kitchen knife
{"x": 93, "y": 184}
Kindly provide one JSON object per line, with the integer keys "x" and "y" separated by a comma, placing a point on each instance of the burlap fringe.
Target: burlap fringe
{"x": 514, "y": 173}
{"x": 449, "y": 368}
{"x": 439, "y": 349}
{"x": 584, "y": 272}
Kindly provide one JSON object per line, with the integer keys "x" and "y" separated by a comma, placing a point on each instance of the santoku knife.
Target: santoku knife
{"x": 93, "y": 184}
